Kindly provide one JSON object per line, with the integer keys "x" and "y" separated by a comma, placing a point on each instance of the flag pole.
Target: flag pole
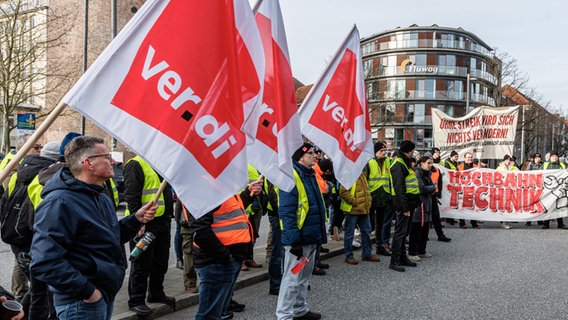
{"x": 32, "y": 141}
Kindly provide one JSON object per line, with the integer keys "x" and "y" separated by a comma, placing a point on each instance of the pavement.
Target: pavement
{"x": 173, "y": 284}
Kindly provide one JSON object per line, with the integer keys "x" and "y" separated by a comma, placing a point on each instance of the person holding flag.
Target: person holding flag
{"x": 302, "y": 215}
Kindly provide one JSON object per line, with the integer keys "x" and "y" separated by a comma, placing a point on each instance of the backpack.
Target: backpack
{"x": 15, "y": 207}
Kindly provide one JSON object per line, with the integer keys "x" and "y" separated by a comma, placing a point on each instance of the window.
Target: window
{"x": 398, "y": 136}
{"x": 400, "y": 89}
{"x": 430, "y": 88}
{"x": 428, "y": 139}
{"x": 419, "y": 110}
{"x": 409, "y": 113}
{"x": 419, "y": 137}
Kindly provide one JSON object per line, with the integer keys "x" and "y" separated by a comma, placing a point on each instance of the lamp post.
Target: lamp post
{"x": 114, "y": 15}
{"x": 467, "y": 92}
{"x": 85, "y": 50}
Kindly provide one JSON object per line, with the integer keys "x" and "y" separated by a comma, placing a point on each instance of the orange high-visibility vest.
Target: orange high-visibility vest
{"x": 230, "y": 223}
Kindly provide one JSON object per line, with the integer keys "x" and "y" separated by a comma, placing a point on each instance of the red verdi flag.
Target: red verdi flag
{"x": 274, "y": 127}
{"x": 175, "y": 86}
{"x": 335, "y": 116}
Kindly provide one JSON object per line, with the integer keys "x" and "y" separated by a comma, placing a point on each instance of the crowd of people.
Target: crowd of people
{"x": 70, "y": 262}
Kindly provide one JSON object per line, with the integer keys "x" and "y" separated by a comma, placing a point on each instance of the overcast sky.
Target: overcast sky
{"x": 533, "y": 32}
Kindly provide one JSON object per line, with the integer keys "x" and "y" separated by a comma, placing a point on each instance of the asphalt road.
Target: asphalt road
{"x": 491, "y": 273}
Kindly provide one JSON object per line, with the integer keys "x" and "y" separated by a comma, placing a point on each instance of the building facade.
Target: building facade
{"x": 409, "y": 71}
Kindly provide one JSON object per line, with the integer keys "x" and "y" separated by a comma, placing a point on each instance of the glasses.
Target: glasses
{"x": 107, "y": 156}
{"x": 311, "y": 152}
{"x": 38, "y": 146}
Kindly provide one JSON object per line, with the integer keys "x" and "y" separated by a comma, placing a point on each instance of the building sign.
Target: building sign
{"x": 408, "y": 67}
{"x": 26, "y": 121}
{"x": 486, "y": 132}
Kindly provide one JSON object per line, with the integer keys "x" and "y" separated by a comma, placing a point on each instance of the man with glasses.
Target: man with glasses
{"x": 77, "y": 244}
{"x": 302, "y": 217}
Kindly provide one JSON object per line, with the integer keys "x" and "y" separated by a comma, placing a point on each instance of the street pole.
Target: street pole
{"x": 467, "y": 93}
{"x": 114, "y": 31}
{"x": 85, "y": 48}
{"x": 523, "y": 137}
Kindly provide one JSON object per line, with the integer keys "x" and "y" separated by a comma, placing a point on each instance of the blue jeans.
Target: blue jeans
{"x": 365, "y": 227}
{"x": 216, "y": 286}
{"x": 275, "y": 262}
{"x": 389, "y": 216}
{"x": 80, "y": 310}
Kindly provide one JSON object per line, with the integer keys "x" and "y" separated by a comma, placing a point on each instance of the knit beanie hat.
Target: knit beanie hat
{"x": 50, "y": 150}
{"x": 554, "y": 153}
{"x": 301, "y": 151}
{"x": 453, "y": 153}
{"x": 379, "y": 146}
{"x": 68, "y": 137}
{"x": 406, "y": 146}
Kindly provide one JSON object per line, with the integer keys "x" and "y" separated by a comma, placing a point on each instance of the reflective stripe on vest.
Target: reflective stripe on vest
{"x": 410, "y": 180}
{"x": 151, "y": 186}
{"x": 230, "y": 223}
{"x": 377, "y": 178}
{"x": 346, "y": 207}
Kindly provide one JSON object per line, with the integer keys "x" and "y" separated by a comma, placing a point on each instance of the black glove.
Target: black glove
{"x": 297, "y": 251}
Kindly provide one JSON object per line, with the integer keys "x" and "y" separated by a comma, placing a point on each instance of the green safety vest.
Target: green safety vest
{"x": 346, "y": 207}
{"x": 452, "y": 167}
{"x": 377, "y": 178}
{"x": 410, "y": 180}
{"x": 253, "y": 175}
{"x": 151, "y": 185}
{"x": 276, "y": 190}
{"x": 303, "y": 205}
{"x": 114, "y": 192}
{"x": 546, "y": 164}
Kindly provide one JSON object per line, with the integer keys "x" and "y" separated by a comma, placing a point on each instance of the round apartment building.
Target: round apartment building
{"x": 409, "y": 71}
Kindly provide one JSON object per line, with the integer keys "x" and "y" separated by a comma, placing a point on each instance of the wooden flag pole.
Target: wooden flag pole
{"x": 32, "y": 141}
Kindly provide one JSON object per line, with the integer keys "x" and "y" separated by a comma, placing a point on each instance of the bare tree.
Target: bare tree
{"x": 24, "y": 41}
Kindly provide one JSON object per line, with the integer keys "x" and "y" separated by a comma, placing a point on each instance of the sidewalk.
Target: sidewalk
{"x": 173, "y": 286}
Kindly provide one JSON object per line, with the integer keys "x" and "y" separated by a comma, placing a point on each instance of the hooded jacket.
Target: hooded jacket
{"x": 78, "y": 241}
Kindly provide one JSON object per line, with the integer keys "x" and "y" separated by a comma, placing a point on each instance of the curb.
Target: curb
{"x": 187, "y": 300}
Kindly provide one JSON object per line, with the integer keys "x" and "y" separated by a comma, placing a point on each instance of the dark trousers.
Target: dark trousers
{"x": 418, "y": 238}
{"x": 473, "y": 223}
{"x": 148, "y": 270}
{"x": 399, "y": 239}
{"x": 436, "y": 221}
{"x": 379, "y": 213}
{"x": 338, "y": 217}
{"x": 558, "y": 220}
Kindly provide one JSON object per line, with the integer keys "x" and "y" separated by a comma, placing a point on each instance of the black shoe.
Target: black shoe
{"x": 164, "y": 300}
{"x": 274, "y": 291}
{"x": 228, "y": 315}
{"x": 324, "y": 250}
{"x": 322, "y": 265}
{"x": 318, "y": 272}
{"x": 142, "y": 310}
{"x": 235, "y": 306}
{"x": 309, "y": 316}
{"x": 396, "y": 267}
{"x": 443, "y": 238}
{"x": 561, "y": 226}
{"x": 383, "y": 251}
{"x": 179, "y": 264}
{"x": 544, "y": 226}
{"x": 408, "y": 263}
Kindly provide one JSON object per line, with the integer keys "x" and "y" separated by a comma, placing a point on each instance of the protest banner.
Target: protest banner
{"x": 487, "y": 132}
{"x": 175, "y": 87}
{"x": 492, "y": 195}
{"x": 335, "y": 116}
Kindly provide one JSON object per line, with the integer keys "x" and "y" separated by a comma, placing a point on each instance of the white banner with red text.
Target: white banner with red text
{"x": 487, "y": 132}
{"x": 491, "y": 195}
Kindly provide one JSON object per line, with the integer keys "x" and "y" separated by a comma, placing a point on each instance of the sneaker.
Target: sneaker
{"x": 310, "y": 315}
{"x": 322, "y": 265}
{"x": 507, "y": 225}
{"x": 463, "y": 226}
{"x": 318, "y": 272}
{"x": 324, "y": 250}
{"x": 414, "y": 258}
{"x": 235, "y": 306}
{"x": 179, "y": 264}
{"x": 357, "y": 232}
{"x": 561, "y": 226}
{"x": 336, "y": 233}
{"x": 228, "y": 315}
{"x": 384, "y": 251}
{"x": 425, "y": 255}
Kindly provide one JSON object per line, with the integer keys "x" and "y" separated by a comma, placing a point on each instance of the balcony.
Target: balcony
{"x": 394, "y": 96}
{"x": 427, "y": 43}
